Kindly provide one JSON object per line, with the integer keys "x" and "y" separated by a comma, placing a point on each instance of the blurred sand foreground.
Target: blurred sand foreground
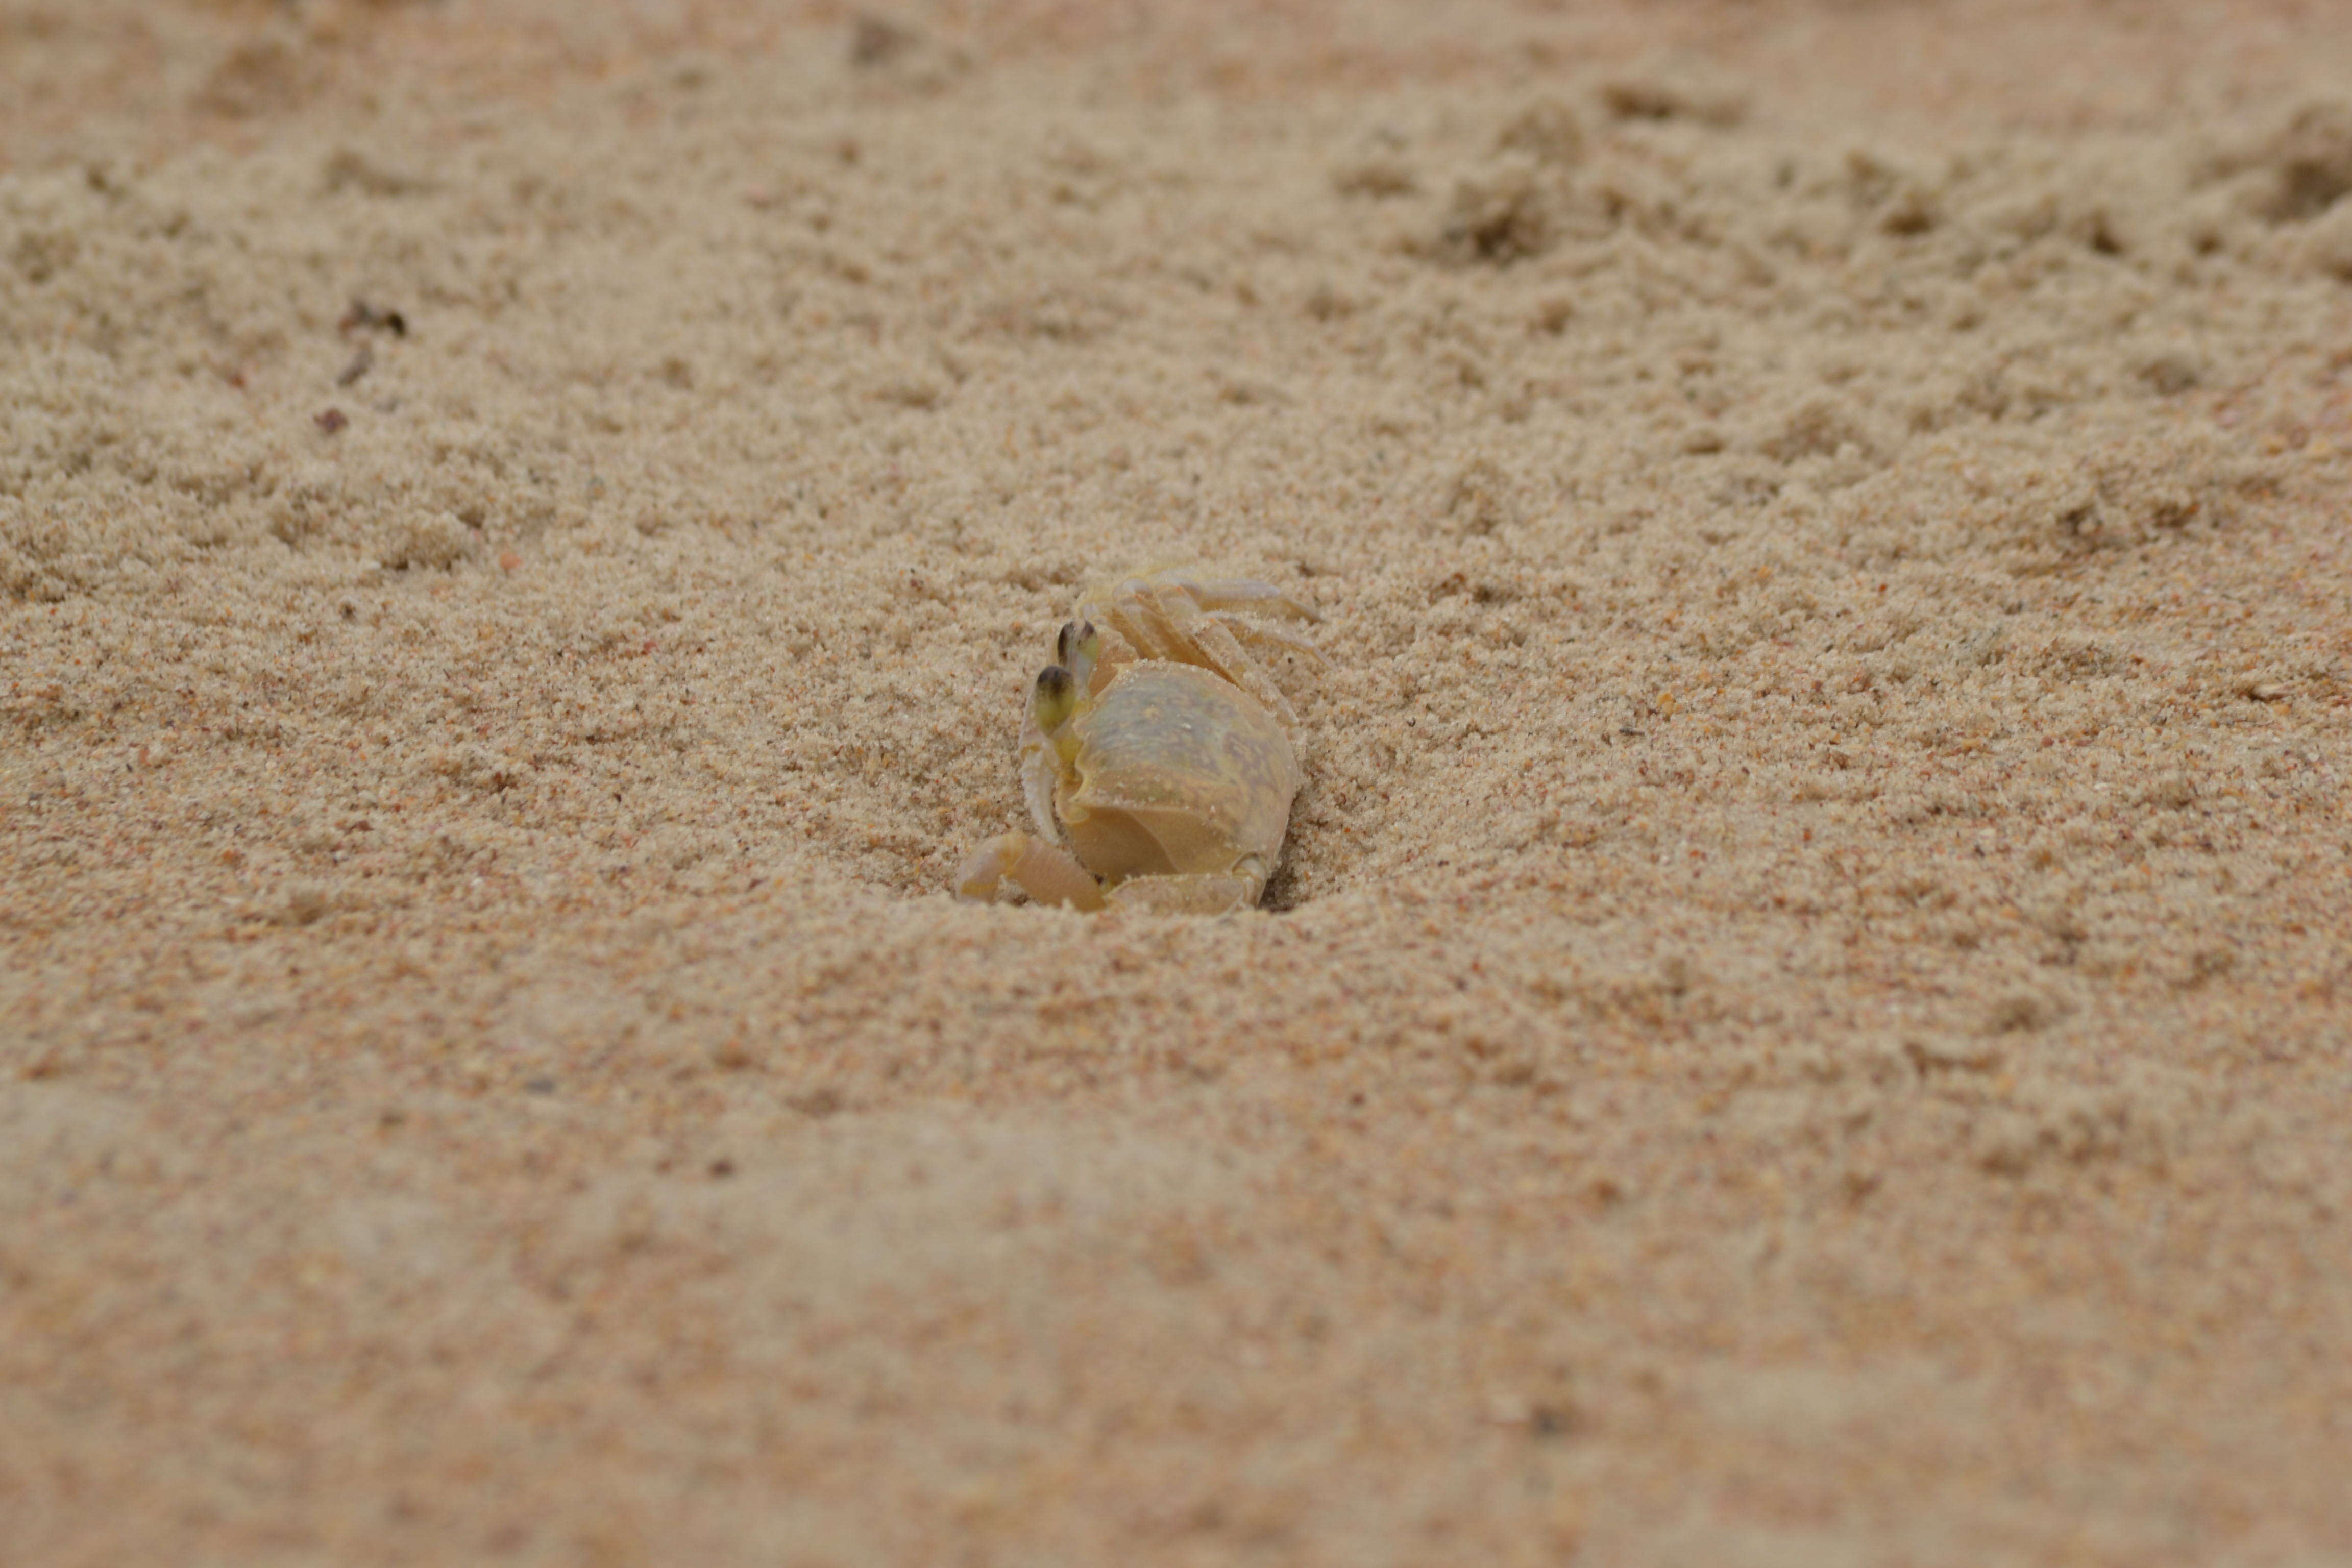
{"x": 1807, "y": 1018}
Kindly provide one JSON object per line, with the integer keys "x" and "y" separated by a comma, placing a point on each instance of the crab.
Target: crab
{"x": 1159, "y": 760}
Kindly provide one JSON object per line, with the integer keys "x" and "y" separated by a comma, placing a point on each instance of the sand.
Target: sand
{"x": 1806, "y": 1017}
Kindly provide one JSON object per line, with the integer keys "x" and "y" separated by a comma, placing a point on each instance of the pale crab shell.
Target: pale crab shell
{"x": 1169, "y": 784}
{"x": 1179, "y": 773}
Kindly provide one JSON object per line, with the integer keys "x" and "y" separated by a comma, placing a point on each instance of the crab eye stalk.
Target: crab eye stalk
{"x": 1051, "y": 704}
{"x": 1055, "y": 698}
{"x": 1078, "y": 648}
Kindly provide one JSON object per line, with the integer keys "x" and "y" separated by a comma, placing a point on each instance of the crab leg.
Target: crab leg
{"x": 1280, "y": 638}
{"x": 1136, "y": 619}
{"x": 1232, "y": 595}
{"x": 1214, "y": 642}
{"x": 1197, "y": 895}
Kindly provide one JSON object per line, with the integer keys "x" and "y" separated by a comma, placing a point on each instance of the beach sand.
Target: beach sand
{"x": 1806, "y": 1015}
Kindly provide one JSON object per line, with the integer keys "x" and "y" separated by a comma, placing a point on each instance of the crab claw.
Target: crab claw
{"x": 1045, "y": 872}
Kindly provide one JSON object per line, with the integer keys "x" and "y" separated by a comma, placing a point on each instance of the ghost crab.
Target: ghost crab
{"x": 1159, "y": 761}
